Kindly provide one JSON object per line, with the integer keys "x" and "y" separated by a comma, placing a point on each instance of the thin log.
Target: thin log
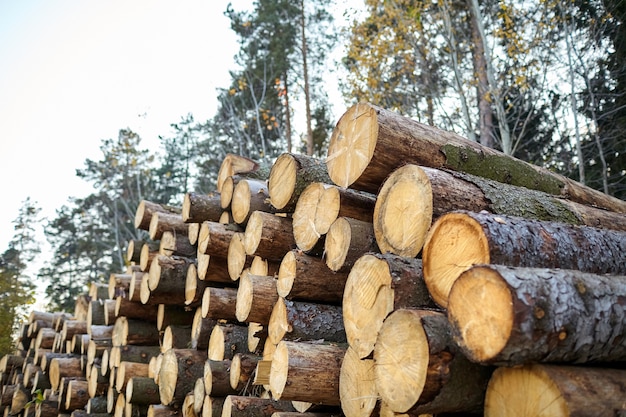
{"x": 320, "y": 205}
{"x": 246, "y": 406}
{"x": 194, "y": 287}
{"x": 556, "y": 391}
{"x": 134, "y": 332}
{"x": 295, "y": 320}
{"x": 290, "y": 175}
{"x": 77, "y": 395}
{"x": 256, "y": 296}
{"x": 242, "y": 369}
{"x": 269, "y": 236}
{"x": 458, "y": 240}
{"x": 377, "y": 285}
{"x": 306, "y": 372}
{"x": 176, "y": 337}
{"x": 109, "y": 312}
{"x": 145, "y": 210}
{"x": 134, "y": 290}
{"x": 135, "y": 310}
{"x": 201, "y": 329}
{"x": 119, "y": 284}
{"x": 233, "y": 164}
{"x": 160, "y": 410}
{"x": 213, "y": 269}
{"x": 237, "y": 258}
{"x": 418, "y": 366}
{"x": 538, "y": 315}
{"x": 257, "y": 335}
{"x": 142, "y": 390}
{"x": 98, "y": 383}
{"x": 174, "y": 315}
{"x": 126, "y": 371}
{"x": 307, "y": 278}
{"x": 388, "y": 140}
{"x": 133, "y": 353}
{"x": 212, "y": 406}
{"x": 193, "y": 232}
{"x": 199, "y": 207}
{"x": 176, "y": 244}
{"x": 346, "y": 241}
{"x": 178, "y": 373}
{"x": 166, "y": 222}
{"x": 64, "y": 367}
{"x": 147, "y": 256}
{"x": 219, "y": 303}
{"x": 214, "y": 238}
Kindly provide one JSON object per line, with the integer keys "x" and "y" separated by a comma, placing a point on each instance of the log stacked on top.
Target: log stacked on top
{"x": 412, "y": 273}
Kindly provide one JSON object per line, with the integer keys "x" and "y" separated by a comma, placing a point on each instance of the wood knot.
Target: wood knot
{"x": 539, "y": 313}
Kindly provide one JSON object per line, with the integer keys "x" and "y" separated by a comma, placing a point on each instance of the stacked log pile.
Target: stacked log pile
{"x": 412, "y": 272}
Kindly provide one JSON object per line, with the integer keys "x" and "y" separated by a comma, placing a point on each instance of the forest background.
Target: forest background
{"x": 542, "y": 80}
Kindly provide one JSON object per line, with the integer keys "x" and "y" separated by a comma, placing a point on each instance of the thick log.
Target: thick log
{"x": 305, "y": 277}
{"x": 220, "y": 303}
{"x": 97, "y": 405}
{"x": 49, "y": 407}
{"x": 214, "y": 238}
{"x": 127, "y": 370}
{"x": 45, "y": 338}
{"x": 268, "y": 236}
{"x": 237, "y": 258}
{"x": 320, "y": 205}
{"x": 21, "y": 397}
{"x": 249, "y": 196}
{"x": 290, "y": 175}
{"x": 135, "y": 310}
{"x": 306, "y": 372}
{"x": 201, "y": 329}
{"x": 216, "y": 379}
{"x": 538, "y": 315}
{"x": 142, "y": 390}
{"x": 376, "y": 286}
{"x": 458, "y": 240}
{"x": 178, "y": 373}
{"x": 176, "y": 244}
{"x": 168, "y": 274}
{"x": 246, "y": 406}
{"x": 256, "y": 296}
{"x": 555, "y": 391}
{"x": 346, "y": 241}
{"x": 242, "y": 369}
{"x": 199, "y": 207}
{"x": 369, "y": 142}
{"x": 134, "y": 332}
{"x": 295, "y": 320}
{"x": 357, "y": 386}
{"x": 174, "y": 315}
{"x": 119, "y": 284}
{"x": 41, "y": 382}
{"x": 166, "y": 222}
{"x": 226, "y": 340}
{"x": 418, "y": 366}
{"x": 77, "y": 395}
{"x": 10, "y": 362}
{"x": 64, "y": 367}
{"x": 176, "y": 337}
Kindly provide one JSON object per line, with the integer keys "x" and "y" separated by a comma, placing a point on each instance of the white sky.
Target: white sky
{"x": 74, "y": 72}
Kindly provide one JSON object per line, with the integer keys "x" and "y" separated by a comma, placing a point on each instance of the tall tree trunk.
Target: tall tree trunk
{"x": 305, "y": 74}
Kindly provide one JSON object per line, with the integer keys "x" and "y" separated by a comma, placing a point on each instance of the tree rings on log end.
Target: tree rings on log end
{"x": 281, "y": 187}
{"x": 454, "y": 243}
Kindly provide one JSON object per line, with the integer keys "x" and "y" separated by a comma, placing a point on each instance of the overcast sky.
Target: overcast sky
{"x": 74, "y": 72}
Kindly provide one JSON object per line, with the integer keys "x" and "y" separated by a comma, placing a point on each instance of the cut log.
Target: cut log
{"x": 256, "y": 296}
{"x": 212, "y": 406}
{"x": 419, "y": 369}
{"x": 133, "y": 353}
{"x": 227, "y": 190}
{"x": 220, "y": 303}
{"x": 135, "y": 310}
{"x": 145, "y": 210}
{"x": 176, "y": 337}
{"x": 100, "y": 332}
{"x": 257, "y": 335}
{"x": 237, "y": 257}
{"x": 96, "y": 313}
{"x": 147, "y": 256}
{"x": 169, "y": 315}
{"x": 306, "y": 372}
{"x": 235, "y": 164}
{"x": 134, "y": 291}
{"x": 242, "y": 369}
{"x": 305, "y": 277}
{"x": 249, "y": 196}
{"x": 166, "y": 222}
{"x": 458, "y": 240}
{"x": 246, "y": 406}
{"x": 64, "y": 367}
{"x": 142, "y": 390}
{"x": 268, "y": 236}
{"x": 109, "y": 312}
{"x": 160, "y": 410}
{"x": 199, "y": 207}
{"x": 72, "y": 327}
{"x": 216, "y": 379}
{"x": 192, "y": 233}
{"x": 369, "y": 142}
{"x": 504, "y": 315}
{"x": 168, "y": 275}
{"x": 319, "y": 206}
{"x": 346, "y": 241}
{"x": 98, "y": 383}
{"x": 376, "y": 286}
{"x": 127, "y": 370}
{"x": 213, "y": 269}
{"x": 45, "y": 338}
{"x": 227, "y": 340}
{"x": 119, "y": 284}
{"x": 134, "y": 332}
{"x": 178, "y": 373}
{"x": 556, "y": 391}
{"x": 295, "y": 320}
{"x": 290, "y": 175}
{"x": 357, "y": 386}
{"x": 77, "y": 395}
{"x": 97, "y": 405}
{"x": 201, "y": 329}
{"x": 194, "y": 287}
{"x": 214, "y": 238}
{"x": 176, "y": 244}
{"x": 21, "y": 397}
